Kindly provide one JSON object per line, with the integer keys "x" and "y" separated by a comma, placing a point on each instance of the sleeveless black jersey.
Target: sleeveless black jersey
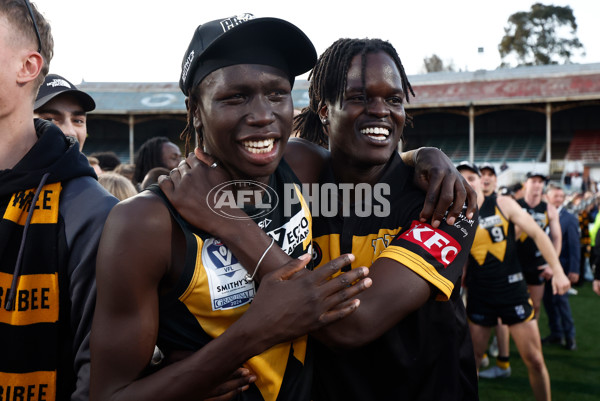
{"x": 529, "y": 255}
{"x": 212, "y": 294}
{"x": 429, "y": 354}
{"x": 493, "y": 272}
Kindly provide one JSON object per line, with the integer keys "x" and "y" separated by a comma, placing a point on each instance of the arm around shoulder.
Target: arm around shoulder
{"x": 306, "y": 159}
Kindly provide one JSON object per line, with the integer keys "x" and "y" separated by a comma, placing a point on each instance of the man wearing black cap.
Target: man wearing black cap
{"x": 535, "y": 268}
{"x": 502, "y": 368}
{"x": 495, "y": 284}
{"x": 489, "y": 179}
{"x": 60, "y": 102}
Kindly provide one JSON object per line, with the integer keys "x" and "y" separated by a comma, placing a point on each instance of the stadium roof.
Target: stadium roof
{"x": 552, "y": 83}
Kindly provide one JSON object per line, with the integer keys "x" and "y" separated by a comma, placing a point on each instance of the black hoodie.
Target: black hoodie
{"x": 47, "y": 267}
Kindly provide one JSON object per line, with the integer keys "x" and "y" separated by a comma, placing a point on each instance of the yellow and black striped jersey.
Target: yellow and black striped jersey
{"x": 428, "y": 355}
{"x": 212, "y": 294}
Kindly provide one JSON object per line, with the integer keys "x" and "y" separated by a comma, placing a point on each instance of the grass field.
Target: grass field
{"x": 574, "y": 375}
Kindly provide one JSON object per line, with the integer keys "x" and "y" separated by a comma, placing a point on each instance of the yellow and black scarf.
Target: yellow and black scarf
{"x": 36, "y": 361}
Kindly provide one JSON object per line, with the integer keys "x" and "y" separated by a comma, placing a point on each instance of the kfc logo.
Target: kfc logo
{"x": 437, "y": 243}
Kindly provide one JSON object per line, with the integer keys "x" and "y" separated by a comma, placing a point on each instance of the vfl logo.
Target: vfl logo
{"x": 239, "y": 193}
{"x": 222, "y": 258}
{"x": 437, "y": 243}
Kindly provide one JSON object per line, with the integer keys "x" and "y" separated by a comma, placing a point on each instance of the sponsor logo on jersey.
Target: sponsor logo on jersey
{"x": 222, "y": 258}
{"x": 437, "y": 243}
{"x": 292, "y": 233}
{"x": 490, "y": 221}
{"x": 228, "y": 288}
{"x": 514, "y": 278}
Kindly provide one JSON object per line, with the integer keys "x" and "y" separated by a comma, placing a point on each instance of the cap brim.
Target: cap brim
{"x": 543, "y": 177}
{"x": 84, "y": 99}
{"x": 463, "y": 167}
{"x": 488, "y": 168}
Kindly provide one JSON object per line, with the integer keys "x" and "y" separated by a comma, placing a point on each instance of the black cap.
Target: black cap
{"x": 243, "y": 39}
{"x": 54, "y": 85}
{"x": 466, "y": 165}
{"x": 537, "y": 174}
{"x": 488, "y": 166}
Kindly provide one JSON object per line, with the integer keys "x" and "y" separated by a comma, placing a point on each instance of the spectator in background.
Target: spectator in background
{"x": 108, "y": 160}
{"x": 535, "y": 268}
{"x": 595, "y": 254}
{"x": 155, "y": 152}
{"x": 595, "y": 261}
{"x": 577, "y": 182}
{"x": 118, "y": 185}
{"x": 152, "y": 176}
{"x": 517, "y": 191}
{"x": 560, "y": 319}
{"x": 126, "y": 169}
{"x": 95, "y": 165}
{"x": 60, "y": 102}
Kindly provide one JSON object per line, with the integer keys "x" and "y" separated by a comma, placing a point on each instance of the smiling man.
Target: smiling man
{"x": 60, "y": 102}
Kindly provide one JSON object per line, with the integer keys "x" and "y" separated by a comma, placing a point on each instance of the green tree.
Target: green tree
{"x": 543, "y": 35}
{"x": 435, "y": 64}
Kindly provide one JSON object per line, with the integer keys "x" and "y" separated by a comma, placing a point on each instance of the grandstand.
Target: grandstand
{"x": 542, "y": 116}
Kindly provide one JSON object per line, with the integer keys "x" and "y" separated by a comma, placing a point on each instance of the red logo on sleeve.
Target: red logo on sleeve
{"x": 437, "y": 243}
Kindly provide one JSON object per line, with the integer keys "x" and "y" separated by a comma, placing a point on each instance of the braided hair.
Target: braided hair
{"x": 148, "y": 156}
{"x": 187, "y": 135}
{"x": 329, "y": 77}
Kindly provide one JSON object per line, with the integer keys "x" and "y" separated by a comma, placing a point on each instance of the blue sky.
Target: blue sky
{"x": 142, "y": 41}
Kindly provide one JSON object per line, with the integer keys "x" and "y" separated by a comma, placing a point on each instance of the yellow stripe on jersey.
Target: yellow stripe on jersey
{"x": 420, "y": 266}
{"x": 36, "y": 300}
{"x": 46, "y": 207}
{"x": 308, "y": 240}
{"x": 28, "y": 386}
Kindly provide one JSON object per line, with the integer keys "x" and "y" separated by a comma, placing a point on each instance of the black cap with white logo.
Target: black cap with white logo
{"x": 532, "y": 174}
{"x": 243, "y": 39}
{"x": 466, "y": 165}
{"x": 55, "y": 85}
{"x": 488, "y": 166}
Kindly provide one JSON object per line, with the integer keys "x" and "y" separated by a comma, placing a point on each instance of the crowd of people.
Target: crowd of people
{"x": 114, "y": 288}
{"x": 529, "y": 241}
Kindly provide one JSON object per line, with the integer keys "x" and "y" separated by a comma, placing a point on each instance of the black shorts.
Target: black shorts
{"x": 486, "y": 314}
{"x": 533, "y": 275}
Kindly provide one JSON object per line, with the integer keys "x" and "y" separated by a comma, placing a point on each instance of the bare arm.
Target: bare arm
{"x": 396, "y": 291}
{"x": 125, "y": 324}
{"x": 513, "y": 211}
